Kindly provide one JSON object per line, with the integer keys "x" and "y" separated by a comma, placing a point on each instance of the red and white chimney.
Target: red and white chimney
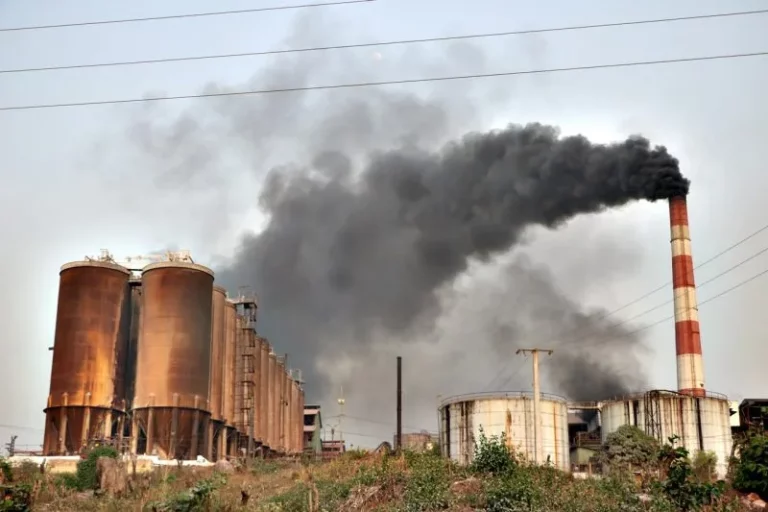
{"x": 690, "y": 366}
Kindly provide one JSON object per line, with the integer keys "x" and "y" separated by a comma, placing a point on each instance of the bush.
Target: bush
{"x": 492, "y": 455}
{"x": 751, "y": 469}
{"x": 196, "y": 498}
{"x": 428, "y": 484}
{"x": 86, "y": 469}
{"x": 680, "y": 486}
{"x": 704, "y": 466}
{"x": 628, "y": 447}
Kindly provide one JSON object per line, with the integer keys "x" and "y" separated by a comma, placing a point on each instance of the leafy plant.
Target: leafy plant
{"x": 492, "y": 455}
{"x": 704, "y": 466}
{"x": 196, "y": 498}
{"x": 751, "y": 469}
{"x": 86, "y": 469}
{"x": 628, "y": 447}
{"x": 428, "y": 484}
{"x": 15, "y": 498}
{"x": 680, "y": 486}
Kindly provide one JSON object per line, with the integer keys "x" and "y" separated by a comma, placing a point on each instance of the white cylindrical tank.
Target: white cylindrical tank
{"x": 463, "y": 417}
{"x": 700, "y": 423}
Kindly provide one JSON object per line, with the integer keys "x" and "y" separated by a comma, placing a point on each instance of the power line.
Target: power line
{"x": 20, "y": 427}
{"x": 380, "y": 43}
{"x": 182, "y": 16}
{"x": 353, "y": 85}
{"x": 710, "y": 260}
{"x": 710, "y": 299}
{"x": 643, "y": 313}
{"x": 703, "y": 284}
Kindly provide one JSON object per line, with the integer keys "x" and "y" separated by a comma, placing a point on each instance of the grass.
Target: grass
{"x": 413, "y": 482}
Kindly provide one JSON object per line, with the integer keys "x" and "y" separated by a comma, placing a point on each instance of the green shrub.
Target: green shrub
{"x": 296, "y": 499}
{"x": 492, "y": 455}
{"x": 428, "y": 484}
{"x": 198, "y": 497}
{"x": 704, "y": 466}
{"x": 6, "y": 474}
{"x": 680, "y": 486}
{"x": 86, "y": 469}
{"x": 15, "y": 498}
{"x": 751, "y": 468}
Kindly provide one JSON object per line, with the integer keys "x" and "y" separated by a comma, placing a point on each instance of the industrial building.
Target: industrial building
{"x": 152, "y": 357}
{"x": 569, "y": 434}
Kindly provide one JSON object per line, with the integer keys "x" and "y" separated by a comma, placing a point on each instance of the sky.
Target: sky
{"x": 135, "y": 178}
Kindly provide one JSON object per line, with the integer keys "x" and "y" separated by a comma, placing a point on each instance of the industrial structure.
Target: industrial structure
{"x": 464, "y": 418}
{"x": 153, "y": 358}
{"x": 700, "y": 419}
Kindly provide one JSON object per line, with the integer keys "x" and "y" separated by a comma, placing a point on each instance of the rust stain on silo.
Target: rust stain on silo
{"x": 271, "y": 402}
{"x": 218, "y": 351}
{"x": 89, "y": 355}
{"x": 174, "y": 353}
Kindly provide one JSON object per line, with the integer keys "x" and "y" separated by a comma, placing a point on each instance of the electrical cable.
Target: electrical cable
{"x": 579, "y": 342}
{"x": 380, "y": 43}
{"x": 181, "y": 16}
{"x": 354, "y": 85}
{"x": 710, "y": 260}
{"x": 710, "y": 299}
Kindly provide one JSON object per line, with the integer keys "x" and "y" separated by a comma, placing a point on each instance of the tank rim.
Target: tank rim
{"x": 220, "y": 289}
{"x": 177, "y": 264}
{"x": 95, "y": 264}
{"x": 638, "y": 395}
{"x": 500, "y": 395}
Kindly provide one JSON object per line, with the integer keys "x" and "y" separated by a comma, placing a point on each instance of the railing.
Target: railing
{"x": 500, "y": 395}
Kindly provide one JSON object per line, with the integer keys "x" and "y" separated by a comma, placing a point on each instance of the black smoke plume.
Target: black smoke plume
{"x": 349, "y": 257}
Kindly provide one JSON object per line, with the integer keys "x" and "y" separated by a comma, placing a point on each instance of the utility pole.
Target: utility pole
{"x": 341, "y": 402}
{"x": 399, "y": 435}
{"x": 537, "y": 424}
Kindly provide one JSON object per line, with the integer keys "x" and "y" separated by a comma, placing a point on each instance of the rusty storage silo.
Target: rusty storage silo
{"x": 280, "y": 403}
{"x": 271, "y": 401}
{"x": 87, "y": 391}
{"x": 216, "y": 386}
{"x": 299, "y": 426}
{"x": 289, "y": 412}
{"x": 228, "y": 398}
{"x": 263, "y": 416}
{"x": 301, "y": 418}
{"x": 257, "y": 408}
{"x": 296, "y": 418}
{"x": 170, "y": 408}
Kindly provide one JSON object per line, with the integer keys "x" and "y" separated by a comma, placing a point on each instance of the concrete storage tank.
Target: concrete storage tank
{"x": 171, "y": 410}
{"x": 87, "y": 392}
{"x": 701, "y": 422}
{"x": 280, "y": 405}
{"x": 511, "y": 414}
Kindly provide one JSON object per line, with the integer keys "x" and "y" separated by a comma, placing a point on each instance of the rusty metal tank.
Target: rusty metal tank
{"x": 228, "y": 377}
{"x": 301, "y": 419}
{"x": 271, "y": 401}
{"x": 263, "y": 416}
{"x": 171, "y": 409}
{"x": 218, "y": 349}
{"x": 280, "y": 404}
{"x": 87, "y": 388}
{"x": 287, "y": 412}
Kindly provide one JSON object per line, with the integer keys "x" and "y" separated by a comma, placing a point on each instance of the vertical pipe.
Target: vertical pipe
{"x": 690, "y": 368}
{"x": 86, "y": 428}
{"x": 399, "y": 439}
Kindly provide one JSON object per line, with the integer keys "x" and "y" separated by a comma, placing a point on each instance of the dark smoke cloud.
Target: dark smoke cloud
{"x": 346, "y": 256}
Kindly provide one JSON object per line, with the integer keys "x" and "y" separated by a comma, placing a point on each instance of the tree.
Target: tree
{"x": 627, "y": 448}
{"x": 751, "y": 473}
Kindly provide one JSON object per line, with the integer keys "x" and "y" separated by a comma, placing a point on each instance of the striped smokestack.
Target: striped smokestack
{"x": 690, "y": 366}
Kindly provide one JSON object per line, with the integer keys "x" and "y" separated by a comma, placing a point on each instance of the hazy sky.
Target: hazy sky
{"x": 80, "y": 179}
